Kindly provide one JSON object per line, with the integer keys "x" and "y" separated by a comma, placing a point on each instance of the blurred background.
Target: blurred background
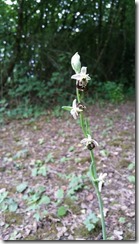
{"x": 38, "y": 39}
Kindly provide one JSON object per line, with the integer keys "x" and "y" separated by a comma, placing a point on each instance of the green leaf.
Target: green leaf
{"x": 3, "y": 206}
{"x": 90, "y": 226}
{"x": 49, "y": 158}
{"x": 41, "y": 189}
{"x": 122, "y": 220}
{"x": 59, "y": 193}
{"x": 63, "y": 159}
{"x": 131, "y": 166}
{"x": 41, "y": 141}
{"x": 13, "y": 206}
{"x": 71, "y": 149}
{"x": 131, "y": 178}
{"x": 44, "y": 200}
{"x": 68, "y": 108}
{"x": 91, "y": 221}
{"x": 34, "y": 206}
{"x": 93, "y": 218}
{"x": 3, "y": 195}
{"x": 104, "y": 153}
{"x": 34, "y": 172}
{"x": 37, "y": 216}
{"x": 34, "y": 198}
{"x": 22, "y": 187}
{"x": 42, "y": 170}
{"x": 62, "y": 211}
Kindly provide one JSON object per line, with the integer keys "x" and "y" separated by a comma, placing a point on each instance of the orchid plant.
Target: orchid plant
{"x": 77, "y": 110}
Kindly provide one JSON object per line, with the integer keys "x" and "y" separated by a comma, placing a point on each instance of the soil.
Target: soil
{"x": 45, "y": 155}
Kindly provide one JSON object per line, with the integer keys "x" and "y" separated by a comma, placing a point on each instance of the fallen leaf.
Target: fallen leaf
{"x": 89, "y": 197}
{"x": 61, "y": 231}
{"x": 118, "y": 234}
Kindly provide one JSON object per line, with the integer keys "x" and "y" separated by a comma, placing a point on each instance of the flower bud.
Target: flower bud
{"x": 75, "y": 62}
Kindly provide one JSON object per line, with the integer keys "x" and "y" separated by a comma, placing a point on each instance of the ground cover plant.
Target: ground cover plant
{"x": 45, "y": 189}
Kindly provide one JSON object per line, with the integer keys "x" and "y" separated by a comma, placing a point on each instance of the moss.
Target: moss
{"x": 2, "y": 168}
{"x": 9, "y": 188}
{"x": 124, "y": 133}
{"x": 126, "y": 146}
{"x": 82, "y": 232}
{"x": 30, "y": 238}
{"x": 123, "y": 163}
{"x": 72, "y": 206}
{"x": 113, "y": 203}
{"x": 116, "y": 143}
{"x": 44, "y": 233}
{"x": 129, "y": 235}
{"x": 13, "y": 218}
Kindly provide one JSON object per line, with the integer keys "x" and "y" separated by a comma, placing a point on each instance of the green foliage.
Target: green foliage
{"x": 35, "y": 66}
{"x": 36, "y": 198}
{"x": 59, "y": 194}
{"x": 62, "y": 211}
{"x": 7, "y": 203}
{"x": 131, "y": 178}
{"x": 49, "y": 158}
{"x": 122, "y": 220}
{"x": 131, "y": 166}
{"x": 113, "y": 91}
{"x": 76, "y": 183}
{"x": 39, "y": 168}
{"x": 91, "y": 221}
{"x": 22, "y": 187}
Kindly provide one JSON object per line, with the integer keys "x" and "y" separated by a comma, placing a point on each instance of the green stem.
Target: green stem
{"x": 102, "y": 214}
{"x": 81, "y": 114}
{"x": 93, "y": 174}
{"x": 93, "y": 171}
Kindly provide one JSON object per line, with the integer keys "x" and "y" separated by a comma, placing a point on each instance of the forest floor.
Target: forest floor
{"x": 45, "y": 189}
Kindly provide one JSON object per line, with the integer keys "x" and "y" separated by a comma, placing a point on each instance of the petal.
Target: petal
{"x": 83, "y": 70}
{"x": 84, "y": 141}
{"x": 76, "y": 77}
{"x": 104, "y": 175}
{"x": 95, "y": 142}
{"x": 74, "y": 104}
{"x": 100, "y": 186}
{"x": 78, "y": 109}
{"x": 88, "y": 77}
{"x": 74, "y": 114}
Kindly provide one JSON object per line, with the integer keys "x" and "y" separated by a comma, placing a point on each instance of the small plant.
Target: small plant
{"x": 91, "y": 221}
{"x": 62, "y": 211}
{"x": 76, "y": 183}
{"x": 39, "y": 168}
{"x": 35, "y": 200}
{"x": 77, "y": 110}
{"x": 7, "y": 203}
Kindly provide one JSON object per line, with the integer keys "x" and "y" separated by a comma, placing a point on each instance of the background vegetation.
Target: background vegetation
{"x": 38, "y": 39}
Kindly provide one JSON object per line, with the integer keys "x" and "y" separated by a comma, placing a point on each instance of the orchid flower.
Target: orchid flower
{"x": 89, "y": 142}
{"x": 101, "y": 180}
{"x": 82, "y": 75}
{"x": 75, "y": 109}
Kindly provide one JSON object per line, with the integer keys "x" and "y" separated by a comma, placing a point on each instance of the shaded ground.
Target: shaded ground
{"x": 46, "y": 156}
